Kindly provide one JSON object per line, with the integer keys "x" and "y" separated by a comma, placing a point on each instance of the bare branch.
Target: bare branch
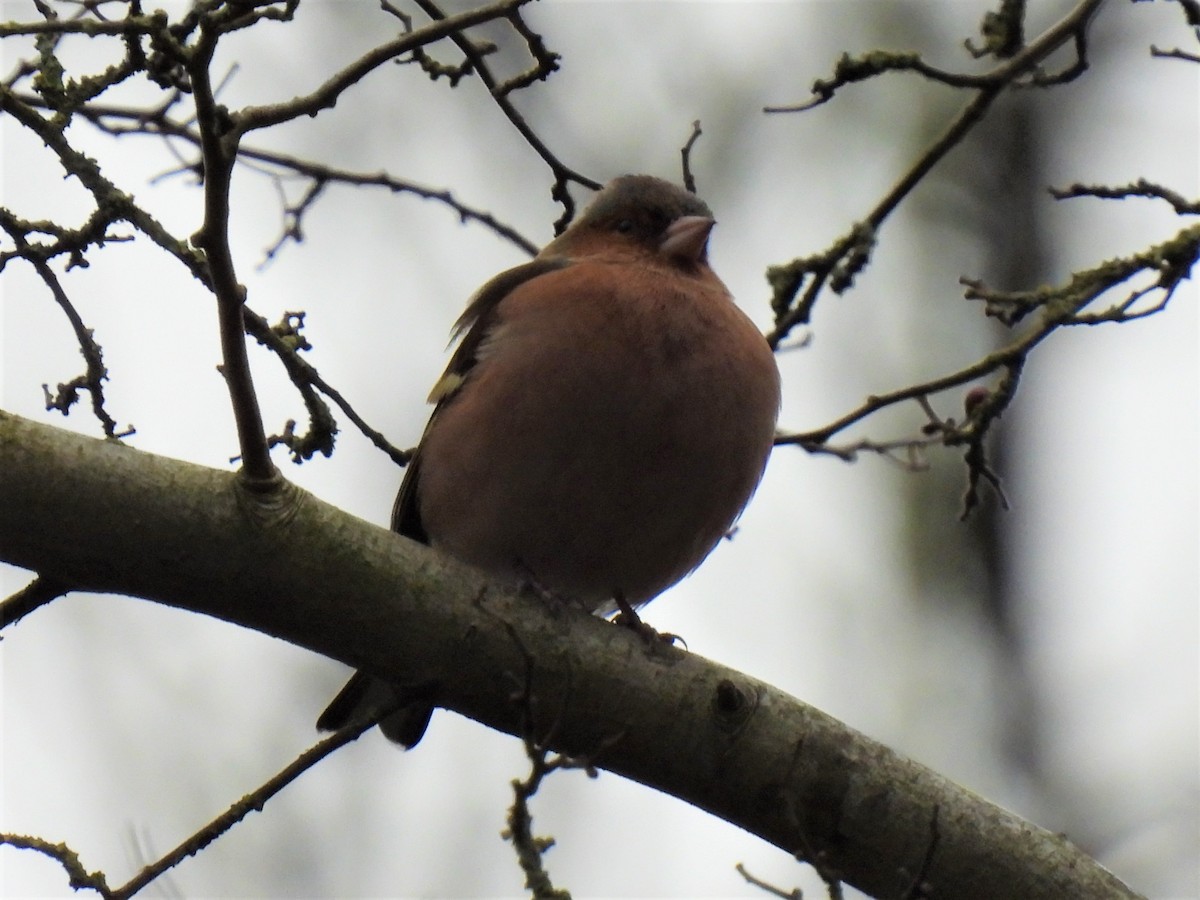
{"x": 286, "y": 341}
{"x": 78, "y": 877}
{"x": 115, "y": 204}
{"x": 156, "y": 122}
{"x": 685, "y": 153}
{"x": 131, "y": 25}
{"x": 545, "y": 64}
{"x": 33, "y": 596}
{"x": 323, "y": 174}
{"x": 327, "y": 94}
{"x": 252, "y": 802}
{"x": 1071, "y": 27}
{"x": 530, "y": 848}
{"x": 428, "y": 64}
{"x": 1139, "y": 188}
{"x": 846, "y": 257}
{"x": 218, "y": 143}
{"x": 1175, "y": 53}
{"x": 793, "y": 894}
{"x": 95, "y": 374}
{"x": 1170, "y": 262}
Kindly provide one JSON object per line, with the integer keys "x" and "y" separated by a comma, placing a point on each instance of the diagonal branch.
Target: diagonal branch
{"x": 546, "y": 62}
{"x": 194, "y": 843}
{"x": 850, "y": 253}
{"x": 325, "y": 96}
{"x": 296, "y": 568}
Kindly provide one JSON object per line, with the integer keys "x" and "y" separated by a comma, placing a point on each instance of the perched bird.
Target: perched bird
{"x": 604, "y": 420}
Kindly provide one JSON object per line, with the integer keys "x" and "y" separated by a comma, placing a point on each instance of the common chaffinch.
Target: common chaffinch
{"x": 602, "y": 423}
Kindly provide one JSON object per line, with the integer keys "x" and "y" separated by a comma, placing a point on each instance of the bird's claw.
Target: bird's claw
{"x": 627, "y": 617}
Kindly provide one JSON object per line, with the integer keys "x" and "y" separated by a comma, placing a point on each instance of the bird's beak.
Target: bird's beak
{"x": 687, "y": 237}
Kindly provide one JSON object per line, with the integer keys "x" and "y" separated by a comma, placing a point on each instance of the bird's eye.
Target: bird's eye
{"x": 625, "y": 226}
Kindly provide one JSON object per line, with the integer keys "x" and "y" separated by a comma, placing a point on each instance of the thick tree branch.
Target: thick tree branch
{"x": 108, "y": 518}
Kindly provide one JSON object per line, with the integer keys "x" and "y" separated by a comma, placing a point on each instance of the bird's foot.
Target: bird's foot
{"x": 627, "y": 617}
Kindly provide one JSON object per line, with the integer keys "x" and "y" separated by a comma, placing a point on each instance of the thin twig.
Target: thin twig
{"x": 36, "y": 594}
{"x": 850, "y": 253}
{"x": 563, "y": 174}
{"x": 326, "y": 96}
{"x": 685, "y": 153}
{"x": 95, "y": 373}
{"x": 252, "y": 802}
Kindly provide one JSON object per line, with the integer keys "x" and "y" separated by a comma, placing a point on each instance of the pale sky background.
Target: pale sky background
{"x": 127, "y": 725}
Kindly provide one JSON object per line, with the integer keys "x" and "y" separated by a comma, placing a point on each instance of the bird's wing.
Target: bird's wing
{"x": 472, "y": 327}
